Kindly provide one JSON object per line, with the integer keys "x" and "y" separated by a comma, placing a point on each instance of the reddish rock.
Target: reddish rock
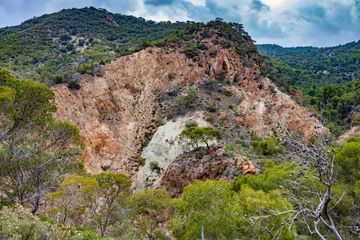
{"x": 115, "y": 110}
{"x": 188, "y": 169}
{"x": 238, "y": 120}
{"x": 246, "y": 165}
{"x": 222, "y": 116}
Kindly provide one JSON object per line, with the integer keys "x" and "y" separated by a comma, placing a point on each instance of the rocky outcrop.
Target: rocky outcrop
{"x": 164, "y": 147}
{"x": 116, "y": 111}
{"x": 189, "y": 168}
{"x": 353, "y": 132}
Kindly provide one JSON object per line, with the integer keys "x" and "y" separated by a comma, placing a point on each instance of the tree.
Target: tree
{"x": 35, "y": 149}
{"x": 212, "y": 210}
{"x": 99, "y": 199}
{"x": 197, "y": 135}
{"x": 312, "y": 192}
{"x": 150, "y": 208}
{"x": 265, "y": 214}
{"x": 111, "y": 194}
{"x": 68, "y": 204}
{"x": 206, "y": 211}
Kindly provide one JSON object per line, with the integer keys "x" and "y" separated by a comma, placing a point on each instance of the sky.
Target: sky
{"x": 283, "y": 22}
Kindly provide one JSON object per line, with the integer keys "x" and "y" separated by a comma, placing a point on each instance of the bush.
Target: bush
{"x": 268, "y": 147}
{"x": 140, "y": 160}
{"x": 212, "y": 108}
{"x": 171, "y": 75}
{"x": 190, "y": 51}
{"x": 154, "y": 166}
{"x": 73, "y": 84}
{"x": 16, "y": 223}
{"x": 213, "y": 52}
{"x": 356, "y": 122}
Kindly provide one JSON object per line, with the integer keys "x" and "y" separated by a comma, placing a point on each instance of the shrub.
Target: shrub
{"x": 213, "y": 52}
{"x": 73, "y": 84}
{"x": 212, "y": 108}
{"x": 190, "y": 51}
{"x": 140, "y": 160}
{"x": 229, "y": 147}
{"x": 85, "y": 68}
{"x": 221, "y": 76}
{"x": 154, "y": 166}
{"x": 16, "y": 223}
{"x": 268, "y": 147}
{"x": 356, "y": 122}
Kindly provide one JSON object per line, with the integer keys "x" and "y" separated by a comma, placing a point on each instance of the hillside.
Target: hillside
{"x": 327, "y": 77}
{"x": 141, "y": 94}
{"x": 51, "y": 48}
{"x": 325, "y": 65}
{"x": 144, "y": 130}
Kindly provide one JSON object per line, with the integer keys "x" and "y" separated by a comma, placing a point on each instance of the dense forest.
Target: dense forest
{"x": 327, "y": 77}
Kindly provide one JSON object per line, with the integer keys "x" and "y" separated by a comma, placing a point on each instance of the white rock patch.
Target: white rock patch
{"x": 164, "y": 148}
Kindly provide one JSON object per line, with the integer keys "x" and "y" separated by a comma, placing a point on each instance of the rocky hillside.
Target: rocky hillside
{"x": 131, "y": 114}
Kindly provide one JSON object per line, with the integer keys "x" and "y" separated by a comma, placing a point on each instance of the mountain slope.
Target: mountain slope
{"x": 329, "y": 78}
{"x": 136, "y": 110}
{"x": 326, "y": 65}
{"x": 51, "y": 47}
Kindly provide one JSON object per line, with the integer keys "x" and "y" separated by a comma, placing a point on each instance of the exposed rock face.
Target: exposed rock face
{"x": 164, "y": 147}
{"x": 353, "y": 132}
{"x": 115, "y": 111}
{"x": 188, "y": 169}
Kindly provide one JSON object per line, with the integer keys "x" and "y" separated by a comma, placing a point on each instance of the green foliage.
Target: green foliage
{"x": 268, "y": 147}
{"x": 154, "y": 166}
{"x": 17, "y": 224}
{"x": 259, "y": 203}
{"x": 273, "y": 177}
{"x": 58, "y": 43}
{"x": 140, "y": 160}
{"x": 96, "y": 198}
{"x": 71, "y": 199}
{"x": 199, "y": 135}
{"x": 328, "y": 78}
{"x": 149, "y": 209}
{"x": 73, "y": 84}
{"x": 211, "y": 208}
{"x": 34, "y": 146}
{"x": 208, "y": 206}
{"x": 348, "y": 160}
{"x": 356, "y": 122}
{"x": 191, "y": 51}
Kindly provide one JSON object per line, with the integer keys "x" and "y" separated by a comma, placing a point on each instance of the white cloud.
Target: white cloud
{"x": 198, "y": 3}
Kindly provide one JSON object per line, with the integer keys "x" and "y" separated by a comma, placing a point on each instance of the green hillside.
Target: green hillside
{"x": 331, "y": 64}
{"x": 328, "y": 78}
{"x": 53, "y": 46}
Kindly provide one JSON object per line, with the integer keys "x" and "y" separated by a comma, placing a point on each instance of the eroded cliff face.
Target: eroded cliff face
{"x": 117, "y": 112}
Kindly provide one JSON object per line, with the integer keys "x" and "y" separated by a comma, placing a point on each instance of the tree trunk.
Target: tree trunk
{"x": 202, "y": 232}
